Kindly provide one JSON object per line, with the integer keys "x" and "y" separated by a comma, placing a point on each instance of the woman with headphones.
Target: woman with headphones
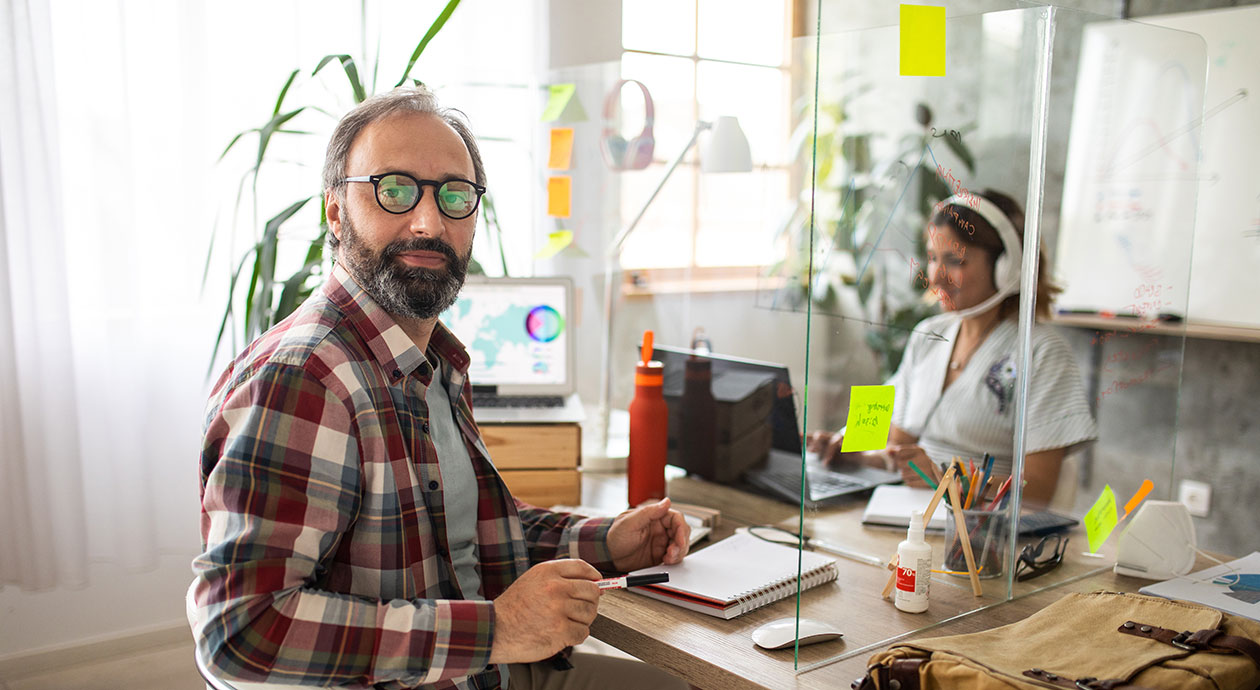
{"x": 955, "y": 388}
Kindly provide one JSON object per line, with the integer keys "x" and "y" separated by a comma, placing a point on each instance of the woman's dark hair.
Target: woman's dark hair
{"x": 973, "y": 230}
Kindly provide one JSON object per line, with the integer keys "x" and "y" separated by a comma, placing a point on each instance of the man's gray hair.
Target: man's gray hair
{"x": 401, "y": 100}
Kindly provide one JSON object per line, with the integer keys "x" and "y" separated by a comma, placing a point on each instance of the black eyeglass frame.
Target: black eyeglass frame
{"x": 420, "y": 185}
{"x": 1029, "y": 554}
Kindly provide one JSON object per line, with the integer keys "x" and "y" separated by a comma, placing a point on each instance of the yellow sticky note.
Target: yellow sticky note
{"x": 561, "y": 148}
{"x": 922, "y": 41}
{"x": 1101, "y": 519}
{"x": 559, "y": 193}
{"x": 556, "y": 242}
{"x": 870, "y": 416}
{"x": 562, "y": 104}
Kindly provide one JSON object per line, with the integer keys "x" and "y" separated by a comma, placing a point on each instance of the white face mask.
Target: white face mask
{"x": 1159, "y": 542}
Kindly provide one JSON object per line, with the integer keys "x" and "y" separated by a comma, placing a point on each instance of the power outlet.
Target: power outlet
{"x": 1197, "y": 496}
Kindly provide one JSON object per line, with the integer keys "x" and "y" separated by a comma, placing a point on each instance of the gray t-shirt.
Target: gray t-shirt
{"x": 459, "y": 493}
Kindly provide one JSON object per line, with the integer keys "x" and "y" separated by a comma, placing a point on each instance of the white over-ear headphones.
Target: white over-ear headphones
{"x": 1006, "y": 268}
{"x": 634, "y": 153}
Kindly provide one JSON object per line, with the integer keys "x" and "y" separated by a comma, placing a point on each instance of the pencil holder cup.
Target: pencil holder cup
{"x": 989, "y": 533}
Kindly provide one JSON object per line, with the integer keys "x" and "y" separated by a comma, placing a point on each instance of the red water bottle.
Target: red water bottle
{"x": 649, "y": 425}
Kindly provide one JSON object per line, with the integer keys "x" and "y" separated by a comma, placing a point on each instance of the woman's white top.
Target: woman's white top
{"x": 976, "y": 414}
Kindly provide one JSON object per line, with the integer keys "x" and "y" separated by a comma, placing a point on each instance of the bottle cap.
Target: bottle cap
{"x": 916, "y": 525}
{"x": 645, "y": 350}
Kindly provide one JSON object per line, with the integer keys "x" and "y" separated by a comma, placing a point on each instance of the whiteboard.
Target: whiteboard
{"x": 1225, "y": 269}
{"x": 1131, "y": 177}
{"x": 1110, "y": 231}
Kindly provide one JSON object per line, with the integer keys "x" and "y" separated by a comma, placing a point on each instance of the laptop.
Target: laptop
{"x": 520, "y": 343}
{"x": 780, "y": 475}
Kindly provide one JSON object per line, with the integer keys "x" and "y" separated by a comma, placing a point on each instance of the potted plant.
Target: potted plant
{"x": 257, "y": 297}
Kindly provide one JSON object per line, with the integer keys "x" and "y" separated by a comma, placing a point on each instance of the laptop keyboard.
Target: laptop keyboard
{"x": 822, "y": 483}
{"x": 492, "y": 400}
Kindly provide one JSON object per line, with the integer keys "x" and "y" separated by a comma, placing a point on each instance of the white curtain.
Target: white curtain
{"x": 42, "y": 525}
{"x": 103, "y": 342}
{"x": 115, "y": 113}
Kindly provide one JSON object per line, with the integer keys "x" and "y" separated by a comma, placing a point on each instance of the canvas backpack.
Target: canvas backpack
{"x": 1096, "y": 641}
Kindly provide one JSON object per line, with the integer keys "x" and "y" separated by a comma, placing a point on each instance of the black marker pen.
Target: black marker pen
{"x": 633, "y": 581}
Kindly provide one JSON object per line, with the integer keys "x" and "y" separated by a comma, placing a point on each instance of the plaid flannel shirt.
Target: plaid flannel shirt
{"x": 326, "y": 558}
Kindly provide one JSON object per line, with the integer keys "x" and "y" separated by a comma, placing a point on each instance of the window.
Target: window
{"x": 713, "y": 57}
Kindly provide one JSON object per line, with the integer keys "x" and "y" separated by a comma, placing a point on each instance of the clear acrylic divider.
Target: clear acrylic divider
{"x": 896, "y": 286}
{"x": 863, "y": 276}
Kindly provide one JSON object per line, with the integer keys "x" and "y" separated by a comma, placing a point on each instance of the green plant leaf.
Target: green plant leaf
{"x": 267, "y": 130}
{"x": 352, "y": 74}
{"x": 428, "y": 36}
{"x": 284, "y": 91}
{"x": 291, "y": 293}
{"x": 492, "y": 222}
{"x": 267, "y": 261}
{"x": 227, "y": 313}
{"x": 960, "y": 149}
{"x": 252, "y": 316}
{"x": 233, "y": 142}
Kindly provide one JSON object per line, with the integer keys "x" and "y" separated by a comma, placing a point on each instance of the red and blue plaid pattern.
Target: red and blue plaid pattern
{"x": 322, "y": 517}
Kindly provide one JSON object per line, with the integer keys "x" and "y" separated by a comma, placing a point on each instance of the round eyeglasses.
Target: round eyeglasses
{"x": 399, "y": 193}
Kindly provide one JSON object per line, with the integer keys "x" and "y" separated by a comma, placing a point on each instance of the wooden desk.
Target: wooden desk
{"x": 712, "y": 653}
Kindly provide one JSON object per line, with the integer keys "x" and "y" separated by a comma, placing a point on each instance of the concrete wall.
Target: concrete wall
{"x": 1197, "y": 421}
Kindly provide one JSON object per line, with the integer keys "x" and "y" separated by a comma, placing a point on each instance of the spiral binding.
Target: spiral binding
{"x": 784, "y": 588}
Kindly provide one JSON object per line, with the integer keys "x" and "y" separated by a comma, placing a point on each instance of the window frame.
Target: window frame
{"x": 693, "y": 277}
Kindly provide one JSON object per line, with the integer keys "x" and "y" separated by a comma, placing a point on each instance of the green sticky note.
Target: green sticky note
{"x": 1101, "y": 519}
{"x": 870, "y": 416}
{"x": 922, "y": 41}
{"x": 563, "y": 105}
{"x": 556, "y": 242}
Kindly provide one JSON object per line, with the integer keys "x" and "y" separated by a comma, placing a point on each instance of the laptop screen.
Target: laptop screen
{"x": 517, "y": 332}
{"x": 785, "y": 426}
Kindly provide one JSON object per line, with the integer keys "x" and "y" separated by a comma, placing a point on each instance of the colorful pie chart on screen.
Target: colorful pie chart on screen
{"x": 544, "y": 324}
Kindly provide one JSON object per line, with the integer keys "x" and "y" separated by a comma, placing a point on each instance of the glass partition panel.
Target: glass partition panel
{"x": 904, "y": 300}
{"x": 907, "y": 292}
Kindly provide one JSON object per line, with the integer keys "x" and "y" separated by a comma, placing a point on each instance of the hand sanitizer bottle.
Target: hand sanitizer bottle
{"x": 914, "y": 568}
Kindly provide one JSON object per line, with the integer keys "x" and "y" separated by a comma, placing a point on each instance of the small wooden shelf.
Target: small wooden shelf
{"x": 1190, "y": 329}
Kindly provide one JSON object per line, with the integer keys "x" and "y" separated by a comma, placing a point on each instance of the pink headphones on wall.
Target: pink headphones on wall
{"x": 620, "y": 154}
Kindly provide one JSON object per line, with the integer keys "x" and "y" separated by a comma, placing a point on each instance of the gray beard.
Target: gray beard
{"x": 405, "y": 292}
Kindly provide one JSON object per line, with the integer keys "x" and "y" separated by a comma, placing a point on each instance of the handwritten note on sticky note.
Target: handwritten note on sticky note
{"x": 562, "y": 104}
{"x": 922, "y": 41}
{"x": 559, "y": 194}
{"x": 561, "y": 148}
{"x": 1101, "y": 519}
{"x": 556, "y": 242}
{"x": 870, "y": 416}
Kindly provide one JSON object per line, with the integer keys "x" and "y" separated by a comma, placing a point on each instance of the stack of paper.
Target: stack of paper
{"x": 1233, "y": 587}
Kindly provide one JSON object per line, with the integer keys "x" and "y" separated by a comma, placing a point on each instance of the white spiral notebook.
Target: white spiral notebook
{"x": 736, "y": 575}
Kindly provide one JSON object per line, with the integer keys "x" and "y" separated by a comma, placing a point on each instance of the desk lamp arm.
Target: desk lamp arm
{"x": 611, "y": 266}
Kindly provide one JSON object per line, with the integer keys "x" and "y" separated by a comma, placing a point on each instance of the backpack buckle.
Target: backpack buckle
{"x": 1179, "y": 640}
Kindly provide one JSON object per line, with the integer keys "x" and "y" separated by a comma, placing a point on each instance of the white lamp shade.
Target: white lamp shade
{"x": 726, "y": 149}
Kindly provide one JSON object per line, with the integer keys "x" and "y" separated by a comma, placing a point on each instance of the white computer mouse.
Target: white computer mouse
{"x": 781, "y": 633}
